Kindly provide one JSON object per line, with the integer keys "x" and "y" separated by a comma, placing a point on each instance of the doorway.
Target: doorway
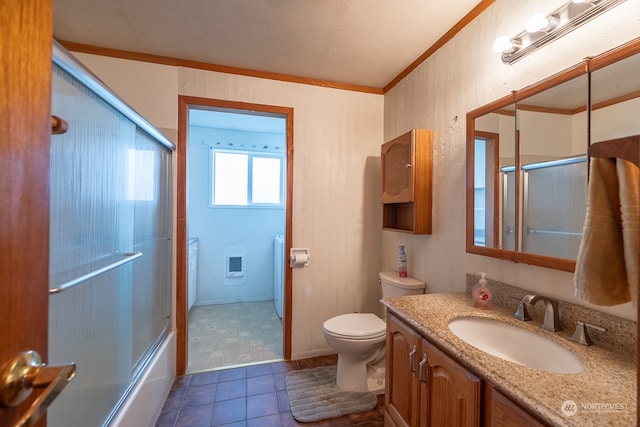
{"x": 234, "y": 206}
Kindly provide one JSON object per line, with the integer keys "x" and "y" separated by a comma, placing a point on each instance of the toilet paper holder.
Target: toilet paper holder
{"x": 299, "y": 257}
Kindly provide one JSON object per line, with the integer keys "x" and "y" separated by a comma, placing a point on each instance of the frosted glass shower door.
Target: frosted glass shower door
{"x": 110, "y": 251}
{"x": 90, "y": 323}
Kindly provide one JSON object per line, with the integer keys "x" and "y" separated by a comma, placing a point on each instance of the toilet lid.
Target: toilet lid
{"x": 356, "y": 325}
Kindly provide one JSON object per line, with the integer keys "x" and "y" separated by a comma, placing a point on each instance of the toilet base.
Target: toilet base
{"x": 362, "y": 376}
{"x": 376, "y": 377}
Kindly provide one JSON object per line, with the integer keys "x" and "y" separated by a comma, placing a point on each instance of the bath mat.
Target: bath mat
{"x": 314, "y": 395}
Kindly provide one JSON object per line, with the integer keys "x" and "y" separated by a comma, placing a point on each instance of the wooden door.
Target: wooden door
{"x": 25, "y": 129}
{"x": 450, "y": 394}
{"x": 401, "y": 388}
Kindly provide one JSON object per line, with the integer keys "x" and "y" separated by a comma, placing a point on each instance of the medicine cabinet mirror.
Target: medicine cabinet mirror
{"x": 527, "y": 161}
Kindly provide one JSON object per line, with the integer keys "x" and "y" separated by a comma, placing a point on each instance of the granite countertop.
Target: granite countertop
{"x": 605, "y": 391}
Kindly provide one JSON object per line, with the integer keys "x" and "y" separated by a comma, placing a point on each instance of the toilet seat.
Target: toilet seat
{"x": 356, "y": 326}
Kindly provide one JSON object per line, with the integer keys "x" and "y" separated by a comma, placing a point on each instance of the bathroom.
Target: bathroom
{"x": 336, "y": 156}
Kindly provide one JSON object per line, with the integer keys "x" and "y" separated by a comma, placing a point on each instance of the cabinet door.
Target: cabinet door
{"x": 406, "y": 182}
{"x": 449, "y": 393}
{"x": 500, "y": 411}
{"x": 401, "y": 392}
{"x": 397, "y": 161}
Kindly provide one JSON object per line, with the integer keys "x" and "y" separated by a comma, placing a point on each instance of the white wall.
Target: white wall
{"x": 463, "y": 75}
{"x": 336, "y": 184}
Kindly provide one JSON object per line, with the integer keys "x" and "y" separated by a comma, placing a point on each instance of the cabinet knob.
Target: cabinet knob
{"x": 408, "y": 166}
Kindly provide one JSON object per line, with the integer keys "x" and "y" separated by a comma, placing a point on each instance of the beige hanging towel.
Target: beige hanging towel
{"x": 601, "y": 272}
{"x": 629, "y": 181}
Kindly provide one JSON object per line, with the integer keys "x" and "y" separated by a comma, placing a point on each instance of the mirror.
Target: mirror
{"x": 552, "y": 129}
{"x": 527, "y": 158}
{"x": 615, "y": 99}
{"x": 494, "y": 151}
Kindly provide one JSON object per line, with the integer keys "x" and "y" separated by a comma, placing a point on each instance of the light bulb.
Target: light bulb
{"x": 502, "y": 43}
{"x": 536, "y": 23}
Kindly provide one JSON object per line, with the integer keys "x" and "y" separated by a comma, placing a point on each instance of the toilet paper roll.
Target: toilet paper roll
{"x": 299, "y": 260}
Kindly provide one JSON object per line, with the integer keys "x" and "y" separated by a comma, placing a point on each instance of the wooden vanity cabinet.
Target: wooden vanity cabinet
{"x": 449, "y": 393}
{"x": 500, "y": 411}
{"x": 406, "y": 164}
{"x": 402, "y": 388}
{"x": 425, "y": 387}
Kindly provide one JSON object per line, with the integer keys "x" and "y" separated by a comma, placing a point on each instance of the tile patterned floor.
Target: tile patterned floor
{"x": 226, "y": 335}
{"x": 252, "y": 396}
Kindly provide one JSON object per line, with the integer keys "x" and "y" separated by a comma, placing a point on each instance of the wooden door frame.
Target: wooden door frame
{"x": 494, "y": 139}
{"x": 184, "y": 103}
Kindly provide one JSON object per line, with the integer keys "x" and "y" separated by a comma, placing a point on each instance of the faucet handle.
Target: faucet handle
{"x": 521, "y": 312}
{"x": 581, "y": 336}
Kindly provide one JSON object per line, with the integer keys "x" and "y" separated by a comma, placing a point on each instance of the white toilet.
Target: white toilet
{"x": 359, "y": 339}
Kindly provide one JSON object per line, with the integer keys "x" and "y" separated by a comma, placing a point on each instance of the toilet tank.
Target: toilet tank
{"x": 395, "y": 286}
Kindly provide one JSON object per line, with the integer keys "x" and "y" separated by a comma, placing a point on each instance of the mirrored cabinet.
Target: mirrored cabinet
{"x": 527, "y": 158}
{"x": 615, "y": 98}
{"x": 551, "y": 125}
{"x": 493, "y": 157}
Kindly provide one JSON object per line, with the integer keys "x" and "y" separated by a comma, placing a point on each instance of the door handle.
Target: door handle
{"x": 25, "y": 372}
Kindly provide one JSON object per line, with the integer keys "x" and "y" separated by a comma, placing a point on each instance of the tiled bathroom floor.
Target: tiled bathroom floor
{"x": 252, "y": 396}
{"x": 226, "y": 335}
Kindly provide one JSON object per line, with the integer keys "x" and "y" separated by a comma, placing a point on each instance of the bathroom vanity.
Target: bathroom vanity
{"x": 435, "y": 378}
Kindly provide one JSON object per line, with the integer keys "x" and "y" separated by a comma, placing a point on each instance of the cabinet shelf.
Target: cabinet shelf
{"x": 406, "y": 163}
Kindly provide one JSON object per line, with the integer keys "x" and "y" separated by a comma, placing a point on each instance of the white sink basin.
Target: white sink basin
{"x": 515, "y": 344}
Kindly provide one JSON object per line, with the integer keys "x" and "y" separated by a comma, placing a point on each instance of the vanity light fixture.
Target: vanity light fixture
{"x": 541, "y": 29}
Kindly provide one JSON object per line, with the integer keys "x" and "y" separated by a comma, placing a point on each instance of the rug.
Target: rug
{"x": 314, "y": 395}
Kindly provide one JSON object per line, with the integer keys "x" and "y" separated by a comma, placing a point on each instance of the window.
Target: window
{"x": 246, "y": 179}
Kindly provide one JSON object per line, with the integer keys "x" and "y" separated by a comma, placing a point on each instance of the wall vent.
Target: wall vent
{"x": 235, "y": 264}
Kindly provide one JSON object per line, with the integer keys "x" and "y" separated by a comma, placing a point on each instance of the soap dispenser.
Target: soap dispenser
{"x": 482, "y": 294}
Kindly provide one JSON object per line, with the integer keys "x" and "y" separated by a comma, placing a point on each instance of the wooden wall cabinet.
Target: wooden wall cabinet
{"x": 425, "y": 387}
{"x": 406, "y": 163}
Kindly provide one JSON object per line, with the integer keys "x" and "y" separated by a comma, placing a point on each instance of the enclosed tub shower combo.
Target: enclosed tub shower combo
{"x": 110, "y": 246}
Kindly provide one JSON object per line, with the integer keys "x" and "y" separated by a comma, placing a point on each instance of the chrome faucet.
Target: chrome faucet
{"x": 551, "y": 320}
{"x": 581, "y": 336}
{"x": 522, "y": 313}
